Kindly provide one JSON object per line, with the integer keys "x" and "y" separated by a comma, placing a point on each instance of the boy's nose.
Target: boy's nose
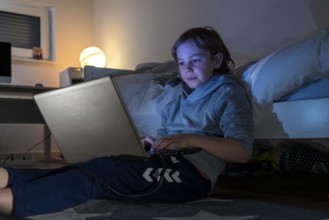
{"x": 188, "y": 67}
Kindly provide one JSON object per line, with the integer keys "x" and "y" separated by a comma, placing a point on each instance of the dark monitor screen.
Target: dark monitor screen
{"x": 5, "y": 62}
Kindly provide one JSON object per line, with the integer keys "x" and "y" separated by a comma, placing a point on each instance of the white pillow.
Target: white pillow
{"x": 287, "y": 69}
{"x": 145, "y": 96}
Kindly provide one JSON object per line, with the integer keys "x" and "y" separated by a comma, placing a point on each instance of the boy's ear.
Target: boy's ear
{"x": 218, "y": 60}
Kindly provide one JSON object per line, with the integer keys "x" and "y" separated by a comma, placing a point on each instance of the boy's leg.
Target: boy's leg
{"x": 6, "y": 195}
{"x": 111, "y": 178}
{"x": 17, "y": 175}
{"x": 6, "y": 201}
{"x": 170, "y": 179}
{"x": 3, "y": 178}
{"x": 55, "y": 191}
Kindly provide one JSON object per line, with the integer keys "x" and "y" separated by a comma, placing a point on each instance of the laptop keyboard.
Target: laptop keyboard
{"x": 175, "y": 152}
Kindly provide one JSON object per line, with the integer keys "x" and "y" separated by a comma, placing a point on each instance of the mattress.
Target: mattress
{"x": 313, "y": 90}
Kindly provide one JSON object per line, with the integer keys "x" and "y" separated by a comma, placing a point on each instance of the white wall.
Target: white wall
{"x": 74, "y": 31}
{"x": 134, "y": 31}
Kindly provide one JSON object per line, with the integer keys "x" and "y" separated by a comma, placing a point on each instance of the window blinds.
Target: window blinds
{"x": 22, "y": 31}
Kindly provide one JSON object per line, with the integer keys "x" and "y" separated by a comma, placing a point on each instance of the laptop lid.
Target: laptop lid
{"x": 90, "y": 120}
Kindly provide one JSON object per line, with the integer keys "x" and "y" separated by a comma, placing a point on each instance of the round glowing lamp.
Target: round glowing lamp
{"x": 92, "y": 56}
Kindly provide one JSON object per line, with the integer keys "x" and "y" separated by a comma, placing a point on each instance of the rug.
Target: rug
{"x": 209, "y": 209}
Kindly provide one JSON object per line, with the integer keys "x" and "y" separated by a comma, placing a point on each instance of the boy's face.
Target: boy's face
{"x": 196, "y": 65}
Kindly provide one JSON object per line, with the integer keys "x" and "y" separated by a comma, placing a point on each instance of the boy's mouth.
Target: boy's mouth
{"x": 191, "y": 78}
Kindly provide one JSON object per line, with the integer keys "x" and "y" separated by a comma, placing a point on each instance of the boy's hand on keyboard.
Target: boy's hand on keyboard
{"x": 147, "y": 142}
{"x": 175, "y": 141}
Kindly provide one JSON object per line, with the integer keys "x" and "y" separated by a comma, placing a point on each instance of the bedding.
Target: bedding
{"x": 299, "y": 119}
{"x": 286, "y": 69}
{"x": 312, "y": 90}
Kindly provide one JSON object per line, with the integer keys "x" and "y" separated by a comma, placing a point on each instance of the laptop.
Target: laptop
{"x": 90, "y": 120}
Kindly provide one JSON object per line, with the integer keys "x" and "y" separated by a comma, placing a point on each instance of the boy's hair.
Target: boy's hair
{"x": 206, "y": 38}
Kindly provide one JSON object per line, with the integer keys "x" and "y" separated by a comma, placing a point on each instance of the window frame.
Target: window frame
{"x": 47, "y": 32}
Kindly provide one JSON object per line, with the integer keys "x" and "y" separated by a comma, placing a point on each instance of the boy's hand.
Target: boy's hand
{"x": 147, "y": 142}
{"x": 175, "y": 141}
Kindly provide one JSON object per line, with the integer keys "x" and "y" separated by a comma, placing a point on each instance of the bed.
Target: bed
{"x": 289, "y": 90}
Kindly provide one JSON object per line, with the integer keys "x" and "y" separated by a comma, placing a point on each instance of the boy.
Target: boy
{"x": 212, "y": 114}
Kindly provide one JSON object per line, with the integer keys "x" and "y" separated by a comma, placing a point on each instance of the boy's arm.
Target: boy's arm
{"x": 227, "y": 149}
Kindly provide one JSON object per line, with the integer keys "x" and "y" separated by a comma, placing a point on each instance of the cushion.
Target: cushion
{"x": 287, "y": 69}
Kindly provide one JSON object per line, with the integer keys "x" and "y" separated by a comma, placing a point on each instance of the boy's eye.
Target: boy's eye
{"x": 196, "y": 60}
{"x": 190, "y": 62}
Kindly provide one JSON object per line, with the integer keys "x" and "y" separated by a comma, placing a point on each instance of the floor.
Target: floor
{"x": 276, "y": 196}
{"x": 305, "y": 191}
{"x": 300, "y": 190}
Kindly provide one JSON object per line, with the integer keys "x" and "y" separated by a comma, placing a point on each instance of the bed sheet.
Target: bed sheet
{"x": 293, "y": 119}
{"x": 314, "y": 90}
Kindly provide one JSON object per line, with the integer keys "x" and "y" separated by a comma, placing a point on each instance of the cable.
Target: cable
{"x": 132, "y": 195}
{"x": 35, "y": 145}
{"x": 11, "y": 156}
{"x": 159, "y": 155}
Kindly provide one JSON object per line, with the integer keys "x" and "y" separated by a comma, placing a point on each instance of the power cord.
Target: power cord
{"x": 24, "y": 153}
{"x": 159, "y": 155}
{"x": 132, "y": 195}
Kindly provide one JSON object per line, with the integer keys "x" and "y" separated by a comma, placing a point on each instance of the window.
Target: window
{"x": 21, "y": 31}
{"x": 26, "y": 25}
